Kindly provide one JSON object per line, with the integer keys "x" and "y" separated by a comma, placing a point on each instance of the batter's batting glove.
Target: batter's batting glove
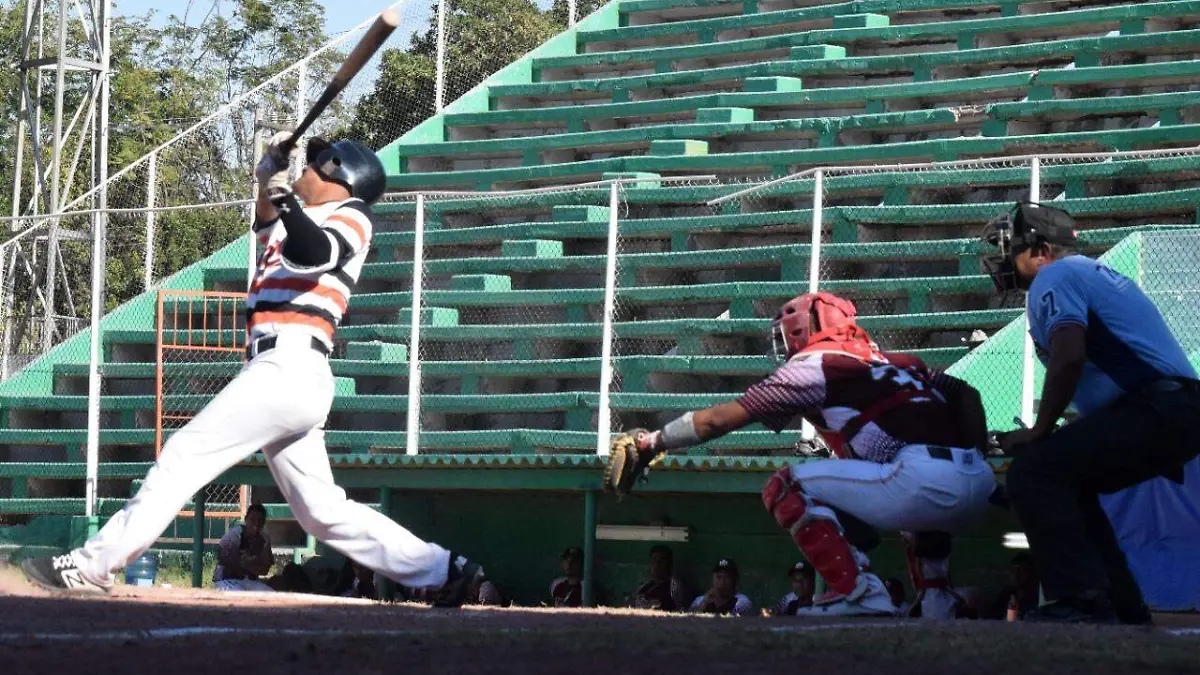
{"x": 629, "y": 460}
{"x": 272, "y": 170}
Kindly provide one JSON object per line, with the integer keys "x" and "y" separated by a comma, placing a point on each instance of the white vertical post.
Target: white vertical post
{"x": 571, "y": 9}
{"x": 604, "y": 414}
{"x": 1027, "y": 363}
{"x": 818, "y": 224}
{"x": 99, "y": 243}
{"x": 93, "y": 406}
{"x": 301, "y": 106}
{"x": 439, "y": 81}
{"x": 807, "y": 430}
{"x": 252, "y": 244}
{"x": 151, "y": 194}
{"x": 413, "y": 425}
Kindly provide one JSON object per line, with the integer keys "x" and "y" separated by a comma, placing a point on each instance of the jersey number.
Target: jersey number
{"x": 1048, "y": 303}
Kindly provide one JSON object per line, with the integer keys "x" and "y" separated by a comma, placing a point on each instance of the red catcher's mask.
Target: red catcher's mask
{"x": 791, "y": 332}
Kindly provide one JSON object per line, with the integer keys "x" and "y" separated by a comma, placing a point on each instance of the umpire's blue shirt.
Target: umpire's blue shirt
{"x": 1128, "y": 342}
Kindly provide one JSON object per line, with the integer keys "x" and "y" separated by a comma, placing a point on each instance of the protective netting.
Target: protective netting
{"x": 510, "y": 319}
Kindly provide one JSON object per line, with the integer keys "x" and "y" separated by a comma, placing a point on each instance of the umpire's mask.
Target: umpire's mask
{"x": 1024, "y": 226}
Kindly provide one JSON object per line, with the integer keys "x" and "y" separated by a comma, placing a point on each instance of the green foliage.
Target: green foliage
{"x": 168, "y": 74}
{"x": 476, "y": 47}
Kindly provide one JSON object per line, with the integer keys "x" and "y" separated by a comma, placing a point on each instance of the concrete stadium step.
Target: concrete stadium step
{"x": 1039, "y": 84}
{"x": 832, "y": 65}
{"x": 549, "y": 149}
{"x": 783, "y": 162}
{"x": 767, "y": 105}
{"x": 793, "y": 258}
{"x": 758, "y": 24}
{"x": 966, "y": 34}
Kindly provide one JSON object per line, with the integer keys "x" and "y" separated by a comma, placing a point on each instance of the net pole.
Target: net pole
{"x": 413, "y": 425}
{"x": 93, "y": 403}
{"x": 151, "y": 186}
{"x": 604, "y": 414}
{"x": 439, "y": 79}
{"x": 1027, "y": 365}
{"x": 807, "y": 430}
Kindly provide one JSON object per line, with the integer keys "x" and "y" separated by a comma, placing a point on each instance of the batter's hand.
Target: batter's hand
{"x": 272, "y": 169}
{"x": 630, "y": 457}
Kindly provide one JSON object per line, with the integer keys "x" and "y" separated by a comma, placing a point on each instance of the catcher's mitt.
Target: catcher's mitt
{"x": 627, "y": 463}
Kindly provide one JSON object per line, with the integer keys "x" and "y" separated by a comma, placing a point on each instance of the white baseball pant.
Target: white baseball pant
{"x": 278, "y": 403}
{"x": 914, "y": 492}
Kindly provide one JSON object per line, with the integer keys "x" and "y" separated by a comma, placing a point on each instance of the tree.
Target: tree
{"x": 476, "y": 46}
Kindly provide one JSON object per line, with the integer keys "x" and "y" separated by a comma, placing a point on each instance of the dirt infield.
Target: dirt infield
{"x": 185, "y": 632}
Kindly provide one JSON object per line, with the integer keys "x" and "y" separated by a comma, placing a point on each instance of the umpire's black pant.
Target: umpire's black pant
{"x": 1055, "y": 483}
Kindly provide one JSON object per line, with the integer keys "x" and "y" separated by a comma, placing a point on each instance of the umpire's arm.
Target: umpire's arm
{"x": 1064, "y": 367}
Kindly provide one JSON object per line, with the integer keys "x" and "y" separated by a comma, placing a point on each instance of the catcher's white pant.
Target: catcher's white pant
{"x": 278, "y": 403}
{"x": 914, "y": 492}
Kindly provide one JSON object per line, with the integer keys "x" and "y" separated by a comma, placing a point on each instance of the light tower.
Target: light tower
{"x": 61, "y": 153}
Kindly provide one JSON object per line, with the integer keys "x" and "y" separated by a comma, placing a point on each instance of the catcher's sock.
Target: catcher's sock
{"x": 61, "y": 574}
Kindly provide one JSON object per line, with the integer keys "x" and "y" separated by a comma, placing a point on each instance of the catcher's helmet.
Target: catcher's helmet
{"x": 349, "y": 163}
{"x": 1026, "y": 225}
{"x": 791, "y": 331}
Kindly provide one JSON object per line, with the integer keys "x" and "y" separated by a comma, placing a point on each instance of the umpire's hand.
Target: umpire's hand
{"x": 1010, "y": 442}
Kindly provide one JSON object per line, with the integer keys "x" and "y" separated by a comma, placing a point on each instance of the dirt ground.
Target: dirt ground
{"x": 184, "y": 632}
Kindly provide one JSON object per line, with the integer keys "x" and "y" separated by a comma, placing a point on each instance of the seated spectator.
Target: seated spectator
{"x": 723, "y": 597}
{"x": 567, "y": 590}
{"x": 1020, "y": 593}
{"x": 663, "y": 591}
{"x": 486, "y": 594}
{"x": 244, "y": 554}
{"x": 804, "y": 579}
{"x": 895, "y": 589}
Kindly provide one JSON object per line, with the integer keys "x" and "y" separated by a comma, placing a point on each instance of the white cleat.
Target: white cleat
{"x": 869, "y": 598}
{"x": 60, "y": 574}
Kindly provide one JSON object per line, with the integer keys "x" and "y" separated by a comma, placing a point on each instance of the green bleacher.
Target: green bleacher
{"x": 727, "y": 92}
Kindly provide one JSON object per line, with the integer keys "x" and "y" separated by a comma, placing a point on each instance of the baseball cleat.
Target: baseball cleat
{"x": 869, "y": 598}
{"x": 60, "y": 574}
{"x": 463, "y": 575}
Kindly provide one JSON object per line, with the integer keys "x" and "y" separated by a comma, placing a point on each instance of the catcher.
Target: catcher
{"x": 906, "y": 439}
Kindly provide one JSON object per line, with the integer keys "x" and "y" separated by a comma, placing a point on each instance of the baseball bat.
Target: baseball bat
{"x": 370, "y": 43}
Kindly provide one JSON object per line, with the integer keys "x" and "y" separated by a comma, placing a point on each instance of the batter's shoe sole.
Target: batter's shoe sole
{"x": 60, "y": 574}
{"x": 463, "y": 576}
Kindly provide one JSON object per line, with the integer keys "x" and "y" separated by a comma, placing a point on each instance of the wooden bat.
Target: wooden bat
{"x": 370, "y": 43}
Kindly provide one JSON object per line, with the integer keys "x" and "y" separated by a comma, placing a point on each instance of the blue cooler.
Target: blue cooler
{"x": 143, "y": 571}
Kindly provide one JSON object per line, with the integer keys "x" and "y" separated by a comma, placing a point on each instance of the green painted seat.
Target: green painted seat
{"x": 788, "y": 21}
{"x": 786, "y": 161}
{"x": 1082, "y": 51}
{"x": 1127, "y": 18}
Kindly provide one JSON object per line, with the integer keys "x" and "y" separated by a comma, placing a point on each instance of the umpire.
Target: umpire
{"x": 1108, "y": 351}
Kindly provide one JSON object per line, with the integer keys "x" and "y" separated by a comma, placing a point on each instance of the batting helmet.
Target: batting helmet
{"x": 351, "y": 164}
{"x": 791, "y": 331}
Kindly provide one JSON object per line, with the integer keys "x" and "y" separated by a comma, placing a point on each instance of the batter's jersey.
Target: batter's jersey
{"x": 863, "y": 409}
{"x": 1128, "y": 343}
{"x": 288, "y": 297}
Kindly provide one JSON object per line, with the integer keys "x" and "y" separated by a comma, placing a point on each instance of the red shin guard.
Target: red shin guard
{"x": 814, "y": 529}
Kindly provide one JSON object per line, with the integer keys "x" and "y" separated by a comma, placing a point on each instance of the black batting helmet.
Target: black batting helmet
{"x": 351, "y": 164}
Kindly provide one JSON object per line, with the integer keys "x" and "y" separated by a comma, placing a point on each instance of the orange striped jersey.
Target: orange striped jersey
{"x": 285, "y": 296}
